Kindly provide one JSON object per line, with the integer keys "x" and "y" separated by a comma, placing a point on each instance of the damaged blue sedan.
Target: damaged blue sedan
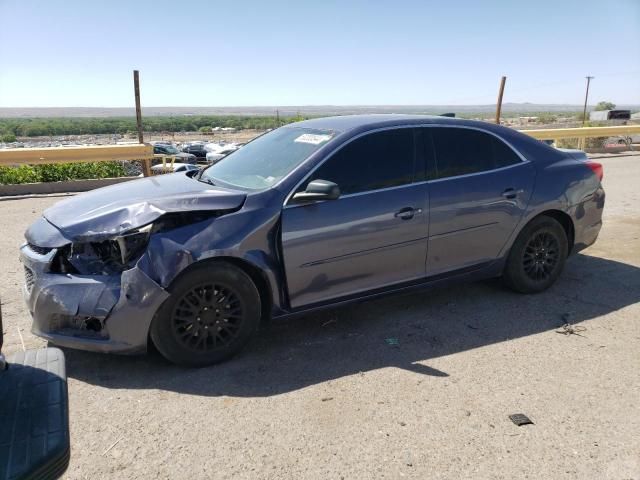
{"x": 310, "y": 215}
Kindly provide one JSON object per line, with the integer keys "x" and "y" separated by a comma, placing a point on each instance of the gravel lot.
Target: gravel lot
{"x": 326, "y": 396}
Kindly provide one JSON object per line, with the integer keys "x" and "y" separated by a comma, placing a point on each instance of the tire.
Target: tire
{"x": 537, "y": 257}
{"x": 212, "y": 312}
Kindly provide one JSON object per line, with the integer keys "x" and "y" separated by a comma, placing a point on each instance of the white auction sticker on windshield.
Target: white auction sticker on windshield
{"x": 312, "y": 138}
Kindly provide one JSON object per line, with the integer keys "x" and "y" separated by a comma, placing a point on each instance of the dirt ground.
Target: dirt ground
{"x": 330, "y": 396}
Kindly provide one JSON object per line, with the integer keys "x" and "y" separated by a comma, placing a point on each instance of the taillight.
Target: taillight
{"x": 596, "y": 168}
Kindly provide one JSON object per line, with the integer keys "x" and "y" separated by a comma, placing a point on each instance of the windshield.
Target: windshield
{"x": 269, "y": 158}
{"x": 171, "y": 149}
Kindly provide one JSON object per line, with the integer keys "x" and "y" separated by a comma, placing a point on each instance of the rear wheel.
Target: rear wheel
{"x": 537, "y": 256}
{"x": 212, "y": 312}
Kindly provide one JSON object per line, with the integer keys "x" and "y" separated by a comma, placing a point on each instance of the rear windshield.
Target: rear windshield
{"x": 267, "y": 159}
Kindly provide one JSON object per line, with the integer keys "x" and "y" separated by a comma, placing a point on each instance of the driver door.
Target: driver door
{"x": 374, "y": 235}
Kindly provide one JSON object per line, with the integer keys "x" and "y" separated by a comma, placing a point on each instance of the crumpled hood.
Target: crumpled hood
{"x": 109, "y": 211}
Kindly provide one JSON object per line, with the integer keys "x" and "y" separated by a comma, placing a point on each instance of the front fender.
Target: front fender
{"x": 249, "y": 236}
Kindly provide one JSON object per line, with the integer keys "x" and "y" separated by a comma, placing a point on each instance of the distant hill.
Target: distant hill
{"x": 307, "y": 110}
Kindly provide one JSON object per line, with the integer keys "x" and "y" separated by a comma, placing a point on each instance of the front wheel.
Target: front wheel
{"x": 537, "y": 257}
{"x": 212, "y": 312}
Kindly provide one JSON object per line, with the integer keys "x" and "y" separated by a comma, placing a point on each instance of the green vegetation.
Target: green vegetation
{"x": 55, "y": 126}
{"x": 8, "y": 138}
{"x": 547, "y": 118}
{"x": 35, "y": 127}
{"x": 60, "y": 172}
{"x": 605, "y": 106}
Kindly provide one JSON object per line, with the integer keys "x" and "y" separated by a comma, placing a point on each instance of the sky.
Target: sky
{"x": 79, "y": 53}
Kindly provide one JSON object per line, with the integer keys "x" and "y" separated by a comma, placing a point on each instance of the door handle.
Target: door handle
{"x": 511, "y": 193}
{"x": 407, "y": 213}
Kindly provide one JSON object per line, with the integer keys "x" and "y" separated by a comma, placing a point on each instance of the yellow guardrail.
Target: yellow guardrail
{"x": 144, "y": 152}
{"x": 585, "y": 132}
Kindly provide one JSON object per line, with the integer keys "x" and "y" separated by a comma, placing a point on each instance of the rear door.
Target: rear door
{"x": 479, "y": 188}
{"x": 373, "y": 236}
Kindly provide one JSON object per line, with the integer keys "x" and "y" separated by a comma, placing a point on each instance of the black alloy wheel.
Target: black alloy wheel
{"x": 213, "y": 310}
{"x": 541, "y": 256}
{"x": 207, "y": 317}
{"x": 537, "y": 256}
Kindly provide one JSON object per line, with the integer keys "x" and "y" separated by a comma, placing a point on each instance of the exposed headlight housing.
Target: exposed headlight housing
{"x": 133, "y": 244}
{"x": 119, "y": 253}
{"x": 106, "y": 257}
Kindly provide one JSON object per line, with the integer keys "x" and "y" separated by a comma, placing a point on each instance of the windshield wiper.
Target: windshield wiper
{"x": 202, "y": 179}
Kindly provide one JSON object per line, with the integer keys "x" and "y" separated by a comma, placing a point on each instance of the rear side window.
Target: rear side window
{"x": 503, "y": 154}
{"x": 374, "y": 161}
{"x": 461, "y": 151}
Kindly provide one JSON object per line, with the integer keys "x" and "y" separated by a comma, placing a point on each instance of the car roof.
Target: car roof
{"x": 352, "y": 125}
{"x": 345, "y": 123}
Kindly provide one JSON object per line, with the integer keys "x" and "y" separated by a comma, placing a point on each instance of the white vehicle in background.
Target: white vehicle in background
{"x": 171, "y": 168}
{"x": 627, "y": 140}
{"x": 216, "y": 151}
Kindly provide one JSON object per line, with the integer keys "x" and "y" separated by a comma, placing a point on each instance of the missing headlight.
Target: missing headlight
{"x": 132, "y": 244}
{"x": 107, "y": 257}
{"x": 120, "y": 253}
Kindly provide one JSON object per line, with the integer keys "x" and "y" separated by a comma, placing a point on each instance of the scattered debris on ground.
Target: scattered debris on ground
{"x": 520, "y": 419}
{"x": 568, "y": 329}
{"x": 112, "y": 445}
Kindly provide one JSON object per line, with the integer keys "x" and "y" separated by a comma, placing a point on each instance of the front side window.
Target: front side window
{"x": 462, "y": 151}
{"x": 374, "y": 161}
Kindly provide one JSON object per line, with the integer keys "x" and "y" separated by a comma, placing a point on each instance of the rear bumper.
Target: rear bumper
{"x": 102, "y": 313}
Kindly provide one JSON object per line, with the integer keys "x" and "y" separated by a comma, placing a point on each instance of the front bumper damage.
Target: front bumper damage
{"x": 103, "y": 313}
{"x": 98, "y": 265}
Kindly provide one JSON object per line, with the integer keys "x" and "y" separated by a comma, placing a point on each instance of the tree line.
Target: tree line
{"x": 54, "y": 126}
{"x": 36, "y": 127}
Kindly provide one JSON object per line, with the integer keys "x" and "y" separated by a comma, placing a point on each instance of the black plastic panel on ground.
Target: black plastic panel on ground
{"x": 34, "y": 424}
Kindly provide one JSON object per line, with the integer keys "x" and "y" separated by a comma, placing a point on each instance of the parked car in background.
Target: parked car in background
{"x": 197, "y": 149}
{"x": 173, "y": 167}
{"x": 217, "y": 151}
{"x": 313, "y": 214}
{"x": 168, "y": 149}
{"x": 628, "y": 140}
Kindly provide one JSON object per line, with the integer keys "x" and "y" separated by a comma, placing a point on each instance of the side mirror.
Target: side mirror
{"x": 317, "y": 190}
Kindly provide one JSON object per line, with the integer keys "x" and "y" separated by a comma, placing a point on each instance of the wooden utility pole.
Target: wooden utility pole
{"x": 586, "y": 96}
{"x": 499, "y": 104}
{"x": 146, "y": 168}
